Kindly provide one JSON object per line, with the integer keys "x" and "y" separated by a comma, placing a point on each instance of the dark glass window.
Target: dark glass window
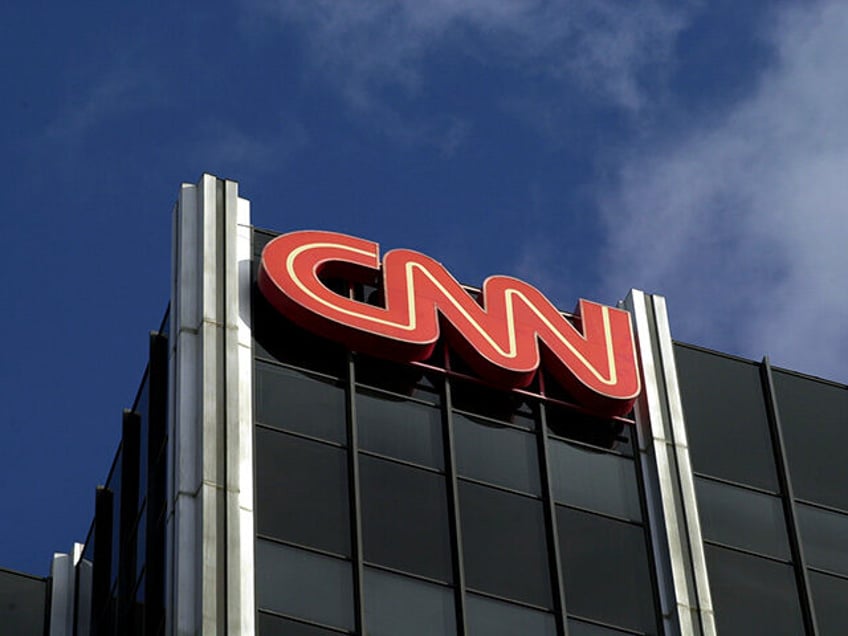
{"x": 497, "y": 454}
{"x": 275, "y": 338}
{"x": 23, "y": 603}
{"x": 295, "y": 401}
{"x": 504, "y": 544}
{"x": 400, "y": 428}
{"x": 752, "y": 595}
{"x": 830, "y": 597}
{"x": 742, "y": 518}
{"x": 606, "y": 570}
{"x": 488, "y": 617}
{"x": 581, "y": 628}
{"x": 405, "y": 518}
{"x": 725, "y": 411}
{"x": 114, "y": 485}
{"x": 814, "y": 420}
{"x": 499, "y": 405}
{"x": 270, "y": 625}
{"x": 304, "y": 584}
{"x": 594, "y": 479}
{"x": 605, "y": 433}
{"x": 825, "y": 538}
{"x": 404, "y": 379}
{"x": 302, "y": 491}
{"x": 401, "y": 606}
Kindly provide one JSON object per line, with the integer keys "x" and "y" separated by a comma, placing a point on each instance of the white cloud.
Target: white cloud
{"x": 743, "y": 224}
{"x": 603, "y": 46}
{"x": 226, "y": 149}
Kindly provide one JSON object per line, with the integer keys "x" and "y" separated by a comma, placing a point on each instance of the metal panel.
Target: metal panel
{"x": 655, "y": 441}
{"x": 210, "y": 524}
{"x": 686, "y": 479}
{"x": 672, "y": 505}
{"x": 61, "y": 596}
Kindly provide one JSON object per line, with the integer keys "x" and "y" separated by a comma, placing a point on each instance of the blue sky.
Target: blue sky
{"x": 693, "y": 149}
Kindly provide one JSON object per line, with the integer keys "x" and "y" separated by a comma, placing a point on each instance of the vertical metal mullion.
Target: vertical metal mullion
{"x": 653, "y": 556}
{"x": 788, "y": 498}
{"x": 551, "y": 525}
{"x": 129, "y": 497}
{"x": 355, "y": 499}
{"x": 102, "y": 561}
{"x": 453, "y": 508}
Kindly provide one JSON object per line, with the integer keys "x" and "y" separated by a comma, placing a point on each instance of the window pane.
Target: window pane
{"x": 398, "y": 428}
{"x": 814, "y": 420}
{"x": 499, "y": 405}
{"x": 579, "y": 628}
{"x": 605, "y": 570}
{"x": 270, "y": 625}
{"x": 605, "y": 433}
{"x": 488, "y": 617}
{"x": 23, "y": 600}
{"x": 725, "y": 409}
{"x": 829, "y": 598}
{"x": 752, "y": 595}
{"x": 497, "y": 454}
{"x": 742, "y": 518}
{"x": 294, "y": 401}
{"x": 400, "y": 606}
{"x": 302, "y": 491}
{"x": 824, "y": 535}
{"x": 594, "y": 479}
{"x": 504, "y": 544}
{"x": 404, "y": 379}
{"x": 304, "y": 584}
{"x": 405, "y": 518}
{"x": 276, "y": 338}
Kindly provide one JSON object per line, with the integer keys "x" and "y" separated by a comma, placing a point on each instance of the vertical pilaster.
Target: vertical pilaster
{"x": 667, "y": 472}
{"x": 64, "y": 591}
{"x": 210, "y": 509}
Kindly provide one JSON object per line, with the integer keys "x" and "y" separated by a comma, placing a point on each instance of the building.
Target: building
{"x": 273, "y": 480}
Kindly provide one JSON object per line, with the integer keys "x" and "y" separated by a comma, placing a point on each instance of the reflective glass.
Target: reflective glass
{"x": 605, "y": 433}
{"x": 404, "y": 379}
{"x": 606, "y": 572}
{"x": 499, "y": 405}
{"x": 580, "y": 628}
{"x": 594, "y": 479}
{"x": 114, "y": 485}
{"x": 141, "y": 542}
{"x": 303, "y": 584}
{"x": 276, "y": 338}
{"x": 302, "y": 491}
{"x": 504, "y": 544}
{"x": 726, "y": 418}
{"x": 405, "y": 518}
{"x": 295, "y": 401}
{"x": 270, "y": 625}
{"x": 23, "y": 601}
{"x": 825, "y": 537}
{"x": 141, "y": 407}
{"x": 488, "y": 617}
{"x": 401, "y": 606}
{"x": 752, "y": 595}
{"x": 830, "y": 598}
{"x": 742, "y": 518}
{"x": 497, "y": 454}
{"x": 400, "y": 428}
{"x": 814, "y": 421}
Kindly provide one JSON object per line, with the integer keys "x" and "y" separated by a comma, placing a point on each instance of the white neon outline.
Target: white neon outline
{"x": 509, "y": 292}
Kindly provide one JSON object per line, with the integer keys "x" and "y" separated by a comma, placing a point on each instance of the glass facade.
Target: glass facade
{"x": 412, "y": 499}
{"x": 398, "y": 499}
{"x": 767, "y": 450}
